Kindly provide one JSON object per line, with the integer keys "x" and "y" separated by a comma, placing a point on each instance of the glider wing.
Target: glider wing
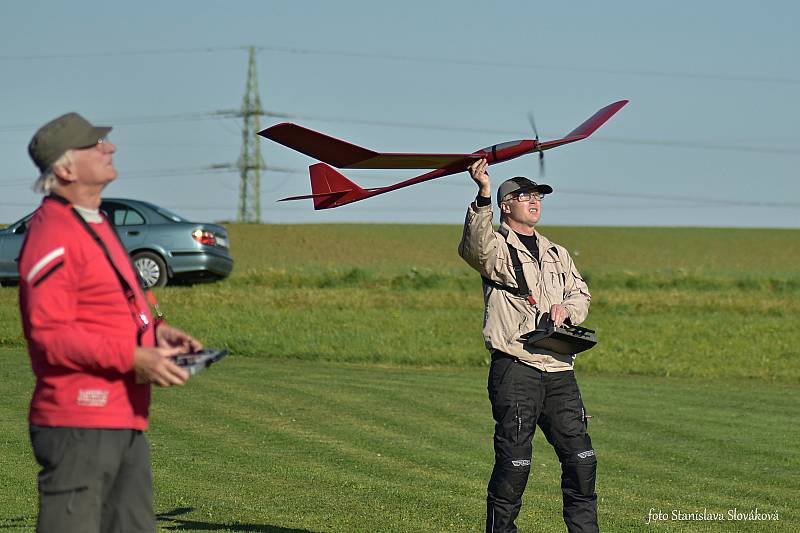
{"x": 589, "y": 126}
{"x": 595, "y": 121}
{"x": 343, "y": 154}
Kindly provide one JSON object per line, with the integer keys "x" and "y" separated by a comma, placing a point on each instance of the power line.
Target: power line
{"x": 209, "y": 115}
{"x": 227, "y": 168}
{"x": 448, "y": 208}
{"x": 87, "y": 55}
{"x": 695, "y": 200}
{"x": 155, "y": 173}
{"x": 534, "y": 66}
{"x": 597, "y": 138}
{"x": 223, "y": 168}
{"x": 455, "y": 208}
{"x": 131, "y": 120}
{"x": 646, "y": 73}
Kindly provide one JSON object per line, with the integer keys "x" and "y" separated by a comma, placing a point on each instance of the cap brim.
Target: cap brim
{"x": 92, "y": 136}
{"x": 541, "y": 188}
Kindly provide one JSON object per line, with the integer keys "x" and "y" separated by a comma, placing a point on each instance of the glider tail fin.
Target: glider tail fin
{"x": 331, "y": 188}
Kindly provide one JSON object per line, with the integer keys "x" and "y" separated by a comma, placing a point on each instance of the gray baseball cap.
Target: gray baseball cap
{"x": 521, "y": 184}
{"x": 66, "y": 132}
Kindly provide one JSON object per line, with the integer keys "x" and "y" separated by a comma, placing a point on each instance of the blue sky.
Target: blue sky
{"x": 708, "y": 139}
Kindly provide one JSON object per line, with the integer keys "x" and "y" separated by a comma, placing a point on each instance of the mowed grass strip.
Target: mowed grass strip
{"x": 395, "y": 248}
{"x": 727, "y": 334}
{"x": 256, "y": 444}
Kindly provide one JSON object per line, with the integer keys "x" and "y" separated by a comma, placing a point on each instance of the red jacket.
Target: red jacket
{"x": 80, "y": 327}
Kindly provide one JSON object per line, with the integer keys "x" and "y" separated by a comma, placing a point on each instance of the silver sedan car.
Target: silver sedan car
{"x": 164, "y": 246}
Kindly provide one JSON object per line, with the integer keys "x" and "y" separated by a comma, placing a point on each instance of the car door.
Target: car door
{"x": 130, "y": 224}
{"x": 11, "y": 239}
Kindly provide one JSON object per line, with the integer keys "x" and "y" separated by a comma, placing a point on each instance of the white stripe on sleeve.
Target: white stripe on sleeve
{"x": 43, "y": 262}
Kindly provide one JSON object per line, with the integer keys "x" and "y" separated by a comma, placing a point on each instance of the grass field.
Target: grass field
{"x": 355, "y": 397}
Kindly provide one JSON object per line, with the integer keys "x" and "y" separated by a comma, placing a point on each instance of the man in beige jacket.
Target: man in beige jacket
{"x": 529, "y": 386}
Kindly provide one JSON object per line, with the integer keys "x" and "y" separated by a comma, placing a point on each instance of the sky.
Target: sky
{"x": 708, "y": 138}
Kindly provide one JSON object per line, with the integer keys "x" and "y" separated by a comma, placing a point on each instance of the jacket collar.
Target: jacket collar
{"x": 511, "y": 238}
{"x": 89, "y": 215}
{"x": 60, "y": 199}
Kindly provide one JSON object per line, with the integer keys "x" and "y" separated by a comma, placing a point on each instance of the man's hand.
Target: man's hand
{"x": 558, "y": 314}
{"x": 169, "y": 337}
{"x": 154, "y": 365}
{"x": 477, "y": 171}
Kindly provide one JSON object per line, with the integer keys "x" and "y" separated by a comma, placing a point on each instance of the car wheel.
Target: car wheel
{"x": 152, "y": 269}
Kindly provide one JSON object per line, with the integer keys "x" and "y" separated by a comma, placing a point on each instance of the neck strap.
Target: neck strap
{"x": 130, "y": 292}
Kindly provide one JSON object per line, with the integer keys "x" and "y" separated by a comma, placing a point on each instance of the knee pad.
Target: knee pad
{"x": 509, "y": 480}
{"x": 581, "y": 471}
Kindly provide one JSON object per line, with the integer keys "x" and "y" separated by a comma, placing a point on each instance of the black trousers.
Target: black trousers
{"x": 93, "y": 480}
{"x": 523, "y": 397}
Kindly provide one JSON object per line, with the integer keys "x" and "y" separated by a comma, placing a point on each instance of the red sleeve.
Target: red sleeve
{"x": 49, "y": 279}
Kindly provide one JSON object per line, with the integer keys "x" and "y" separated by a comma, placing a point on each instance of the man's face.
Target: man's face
{"x": 523, "y": 208}
{"x": 94, "y": 166}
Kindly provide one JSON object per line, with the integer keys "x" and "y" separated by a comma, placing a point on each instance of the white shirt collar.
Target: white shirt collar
{"x": 89, "y": 215}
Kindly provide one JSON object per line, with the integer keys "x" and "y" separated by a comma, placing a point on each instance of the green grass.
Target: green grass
{"x": 724, "y": 334}
{"x": 354, "y": 399}
{"x": 257, "y": 444}
{"x": 714, "y": 333}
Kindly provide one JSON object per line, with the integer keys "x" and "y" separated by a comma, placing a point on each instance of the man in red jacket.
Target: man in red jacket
{"x": 94, "y": 345}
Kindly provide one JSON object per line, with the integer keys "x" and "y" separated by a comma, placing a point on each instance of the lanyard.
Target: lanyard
{"x": 140, "y": 318}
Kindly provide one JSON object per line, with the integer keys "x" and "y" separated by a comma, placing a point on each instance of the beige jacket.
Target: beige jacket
{"x": 507, "y": 316}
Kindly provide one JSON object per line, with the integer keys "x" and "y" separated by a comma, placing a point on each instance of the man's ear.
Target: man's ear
{"x": 504, "y": 208}
{"x": 64, "y": 172}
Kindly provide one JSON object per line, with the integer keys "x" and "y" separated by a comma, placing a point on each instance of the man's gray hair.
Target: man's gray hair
{"x": 48, "y": 179}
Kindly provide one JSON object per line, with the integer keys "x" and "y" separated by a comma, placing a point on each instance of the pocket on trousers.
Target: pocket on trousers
{"x": 498, "y": 374}
{"x": 572, "y": 412}
{"x": 69, "y": 510}
{"x": 63, "y": 455}
{"x": 49, "y": 444}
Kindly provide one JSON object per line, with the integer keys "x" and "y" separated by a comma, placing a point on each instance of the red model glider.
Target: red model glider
{"x": 331, "y": 189}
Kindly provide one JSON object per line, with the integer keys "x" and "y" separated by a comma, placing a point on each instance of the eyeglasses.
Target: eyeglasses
{"x": 101, "y": 141}
{"x": 527, "y": 197}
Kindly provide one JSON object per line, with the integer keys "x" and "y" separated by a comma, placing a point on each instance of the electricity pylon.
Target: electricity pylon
{"x": 250, "y": 161}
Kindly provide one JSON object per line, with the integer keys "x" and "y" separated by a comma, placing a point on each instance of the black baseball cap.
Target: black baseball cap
{"x": 67, "y": 132}
{"x": 521, "y": 184}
